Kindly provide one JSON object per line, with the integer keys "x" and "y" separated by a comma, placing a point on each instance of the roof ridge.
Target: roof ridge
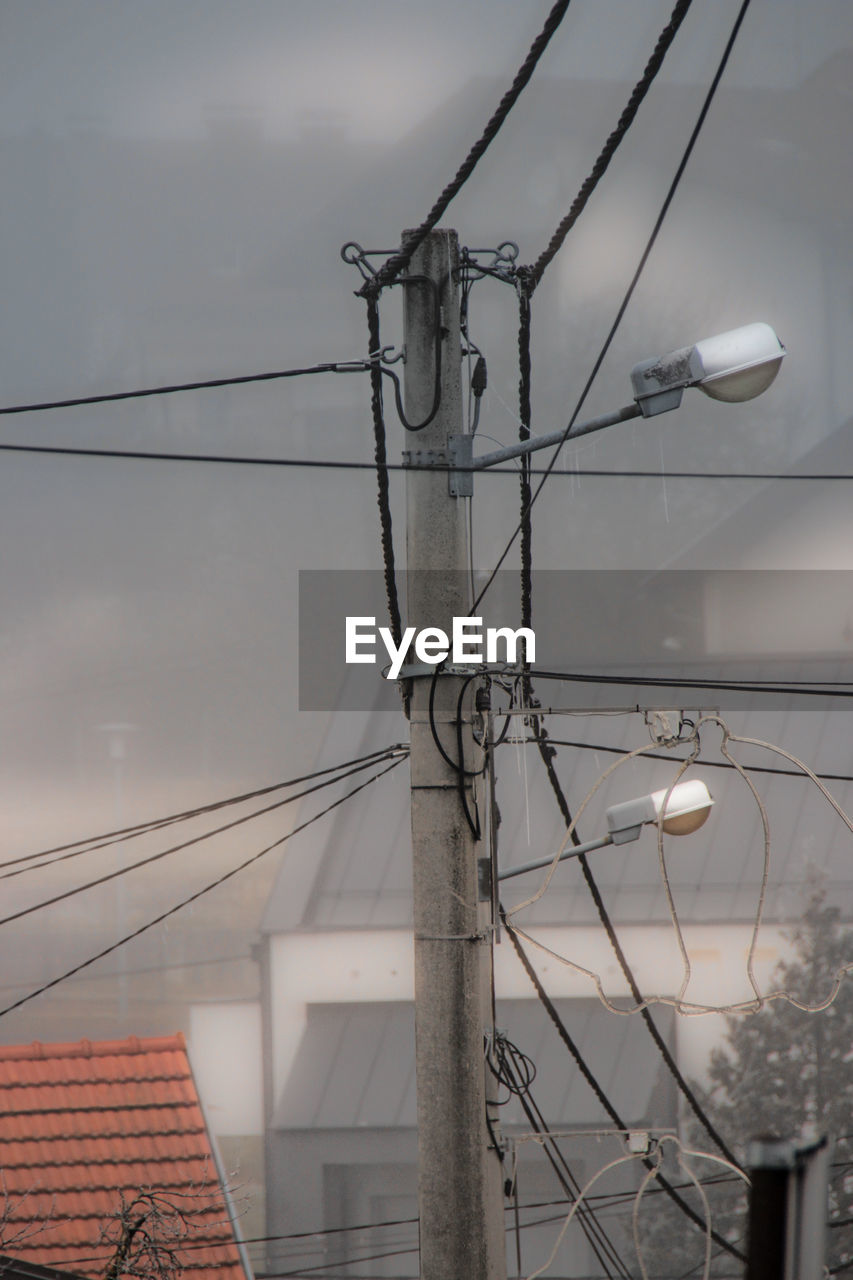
{"x": 95, "y": 1048}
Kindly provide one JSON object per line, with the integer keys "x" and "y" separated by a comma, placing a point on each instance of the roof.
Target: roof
{"x": 84, "y": 1125}
{"x": 356, "y": 1066}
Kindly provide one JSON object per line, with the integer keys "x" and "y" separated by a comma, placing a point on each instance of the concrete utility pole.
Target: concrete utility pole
{"x": 460, "y": 1179}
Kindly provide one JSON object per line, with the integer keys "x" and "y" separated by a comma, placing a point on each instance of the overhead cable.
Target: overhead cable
{"x": 796, "y": 688}
{"x": 603, "y": 1200}
{"x": 530, "y": 276}
{"x": 381, "y": 459}
{"x": 600, "y": 1243}
{"x": 712, "y": 764}
{"x": 324, "y": 1266}
{"x": 339, "y": 366}
{"x": 629, "y": 293}
{"x": 547, "y": 752}
{"x": 678, "y": 1002}
{"x": 186, "y": 844}
{"x": 123, "y": 834}
{"x": 527, "y": 279}
{"x": 400, "y": 260}
{"x": 605, "y": 1102}
{"x": 194, "y": 897}
{"x": 333, "y": 464}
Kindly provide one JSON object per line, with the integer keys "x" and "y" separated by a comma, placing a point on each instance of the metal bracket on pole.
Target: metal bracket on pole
{"x": 461, "y": 454}
{"x": 461, "y": 448}
{"x": 484, "y": 879}
{"x": 424, "y": 458}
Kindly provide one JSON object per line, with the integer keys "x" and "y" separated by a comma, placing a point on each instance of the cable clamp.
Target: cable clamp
{"x": 413, "y": 670}
{"x": 499, "y": 262}
{"x": 667, "y": 726}
{"x": 350, "y": 366}
{"x": 460, "y": 478}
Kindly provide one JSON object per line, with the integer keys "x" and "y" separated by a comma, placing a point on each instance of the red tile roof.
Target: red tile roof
{"x": 83, "y": 1124}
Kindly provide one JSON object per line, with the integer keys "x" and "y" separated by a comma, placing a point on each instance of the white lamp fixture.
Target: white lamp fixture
{"x": 685, "y": 809}
{"x": 736, "y": 365}
{"x": 733, "y": 366}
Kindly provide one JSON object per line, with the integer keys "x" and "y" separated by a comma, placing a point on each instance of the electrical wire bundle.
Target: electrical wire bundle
{"x": 381, "y": 762}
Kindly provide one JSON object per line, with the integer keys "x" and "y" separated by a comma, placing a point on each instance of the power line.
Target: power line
{"x": 398, "y": 261}
{"x": 547, "y": 752}
{"x": 528, "y": 279}
{"x": 333, "y": 464}
{"x": 168, "y": 967}
{"x": 194, "y": 897}
{"x": 629, "y": 293}
{"x": 605, "y": 1102}
{"x": 340, "y": 366}
{"x": 531, "y": 276}
{"x": 185, "y": 844}
{"x": 188, "y": 1246}
{"x": 601, "y": 473}
{"x": 516, "y": 1072}
{"x": 712, "y": 764}
{"x": 595, "y": 1233}
{"x": 605, "y": 1200}
{"x": 799, "y": 688}
{"x": 129, "y": 833}
{"x": 324, "y": 1266}
{"x": 564, "y": 1035}
{"x": 381, "y": 460}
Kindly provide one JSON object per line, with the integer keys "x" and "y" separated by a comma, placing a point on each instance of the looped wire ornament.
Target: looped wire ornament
{"x": 656, "y": 1159}
{"x": 679, "y": 1002}
{"x": 631, "y": 755}
{"x": 612, "y": 1164}
{"x": 653, "y": 1159}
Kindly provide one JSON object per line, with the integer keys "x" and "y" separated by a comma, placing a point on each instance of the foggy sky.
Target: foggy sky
{"x": 179, "y": 178}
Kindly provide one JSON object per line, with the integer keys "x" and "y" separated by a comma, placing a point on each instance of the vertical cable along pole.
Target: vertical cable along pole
{"x": 524, "y": 371}
{"x": 382, "y": 470}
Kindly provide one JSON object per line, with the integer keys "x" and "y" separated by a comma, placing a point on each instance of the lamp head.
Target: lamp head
{"x": 733, "y": 366}
{"x": 687, "y": 808}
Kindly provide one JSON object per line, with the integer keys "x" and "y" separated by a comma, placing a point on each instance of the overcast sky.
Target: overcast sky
{"x": 151, "y": 69}
{"x": 180, "y": 175}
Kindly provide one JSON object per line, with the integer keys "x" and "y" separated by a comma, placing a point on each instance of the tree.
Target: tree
{"x": 780, "y": 1072}
{"x": 14, "y": 1231}
{"x": 147, "y": 1233}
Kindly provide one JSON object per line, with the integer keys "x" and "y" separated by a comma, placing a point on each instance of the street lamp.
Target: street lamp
{"x": 734, "y": 366}
{"x": 684, "y": 808}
